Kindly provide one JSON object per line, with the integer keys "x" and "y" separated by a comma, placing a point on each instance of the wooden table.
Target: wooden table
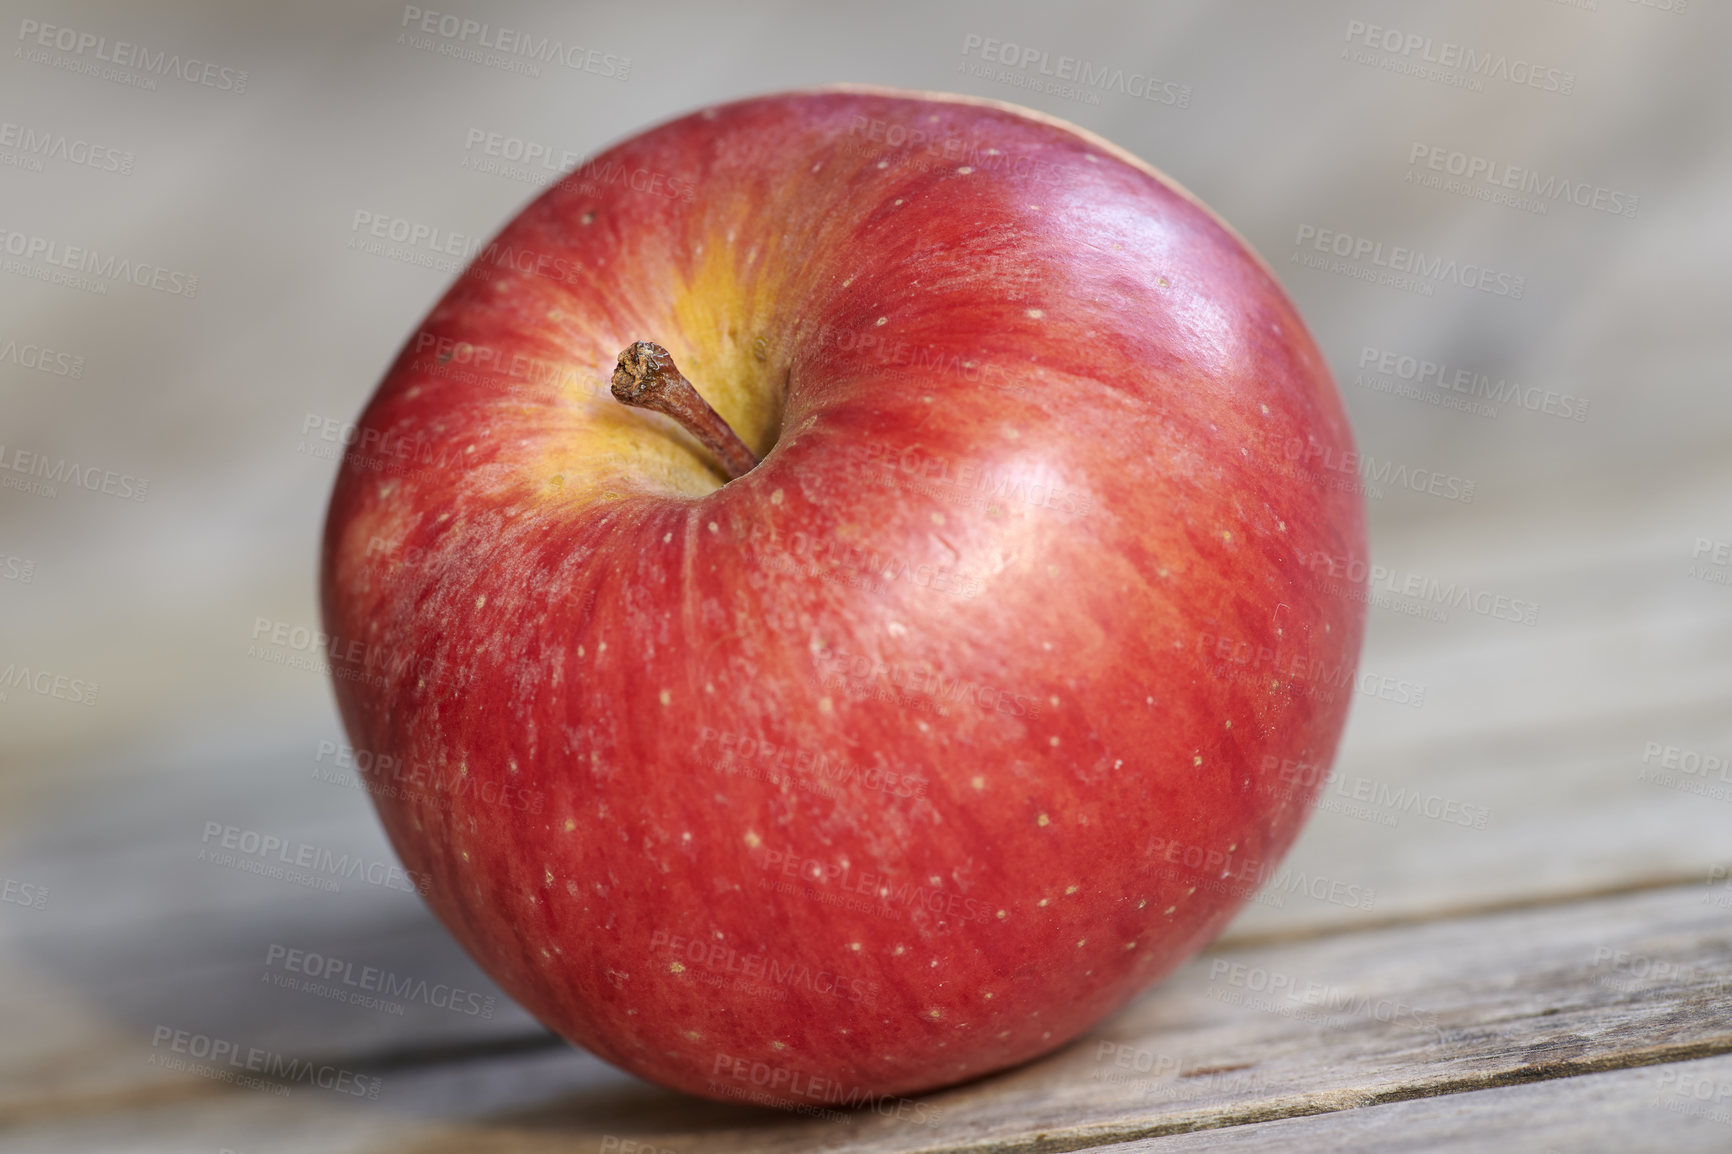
{"x": 1560, "y": 978}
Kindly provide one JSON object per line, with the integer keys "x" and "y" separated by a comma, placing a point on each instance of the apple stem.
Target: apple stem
{"x": 648, "y": 379}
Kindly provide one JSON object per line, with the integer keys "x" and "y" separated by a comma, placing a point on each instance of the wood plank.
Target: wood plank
{"x": 1650, "y": 1108}
{"x": 1238, "y": 1037}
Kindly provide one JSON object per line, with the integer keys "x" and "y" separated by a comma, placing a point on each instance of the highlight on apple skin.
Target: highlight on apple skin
{"x": 968, "y": 711}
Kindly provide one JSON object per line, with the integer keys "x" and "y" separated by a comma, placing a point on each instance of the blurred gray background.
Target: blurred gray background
{"x": 255, "y": 194}
{"x": 1292, "y": 121}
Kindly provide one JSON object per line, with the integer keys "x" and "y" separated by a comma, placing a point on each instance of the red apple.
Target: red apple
{"x": 969, "y": 712}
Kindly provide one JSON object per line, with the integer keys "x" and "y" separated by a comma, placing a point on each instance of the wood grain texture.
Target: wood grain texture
{"x": 1238, "y": 1038}
{"x": 1682, "y": 1108}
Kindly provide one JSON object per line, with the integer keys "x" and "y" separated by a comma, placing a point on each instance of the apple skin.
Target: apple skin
{"x": 1027, "y": 555}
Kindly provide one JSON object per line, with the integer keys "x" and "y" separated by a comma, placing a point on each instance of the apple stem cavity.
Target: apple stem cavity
{"x": 648, "y": 379}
